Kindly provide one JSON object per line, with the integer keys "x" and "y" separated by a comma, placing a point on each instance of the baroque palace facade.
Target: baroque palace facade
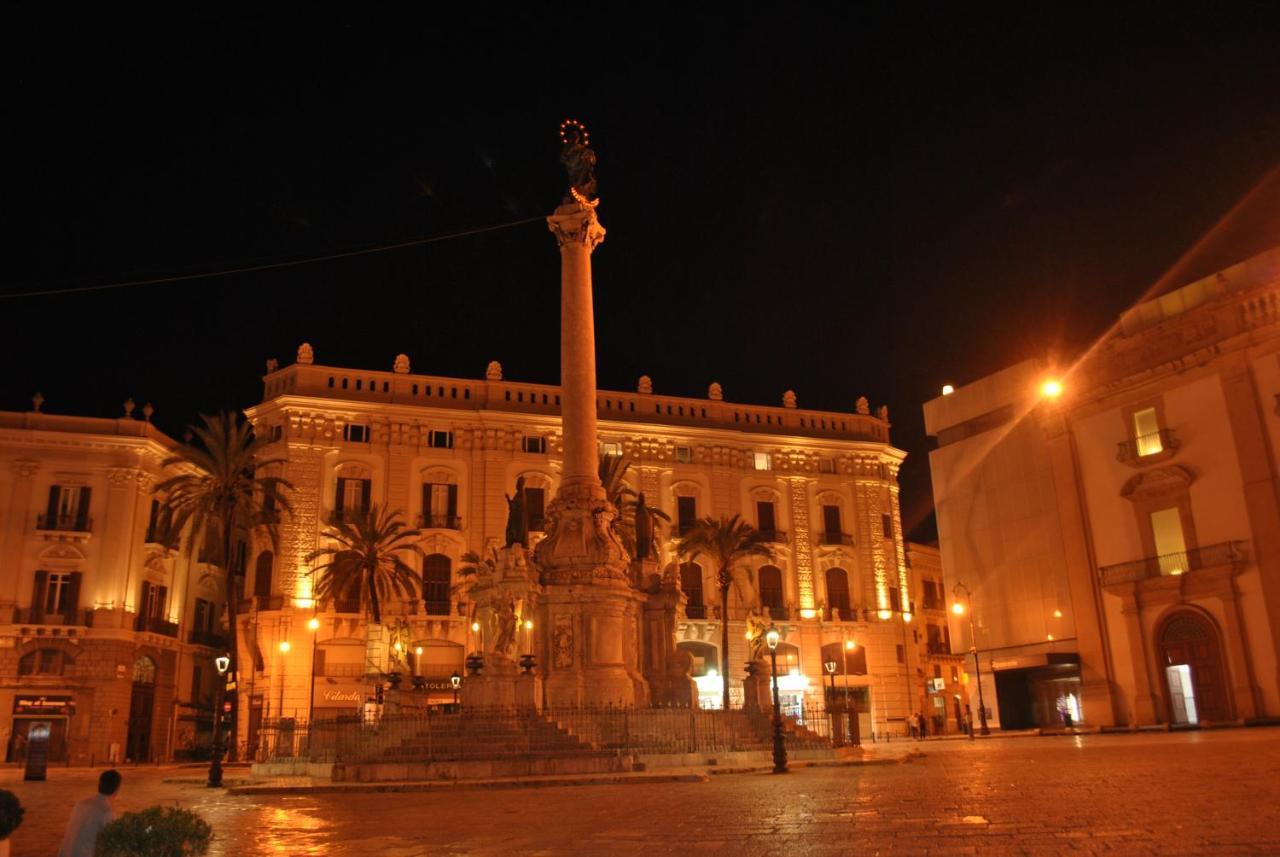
{"x": 445, "y": 452}
{"x": 107, "y": 634}
{"x": 1118, "y": 521}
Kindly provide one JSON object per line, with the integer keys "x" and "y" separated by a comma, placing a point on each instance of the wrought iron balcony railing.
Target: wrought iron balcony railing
{"x": 32, "y": 616}
{"x": 65, "y": 523}
{"x": 156, "y": 625}
{"x": 826, "y": 538}
{"x": 695, "y": 611}
{"x": 211, "y": 639}
{"x": 1146, "y": 446}
{"x": 439, "y": 522}
{"x": 1223, "y": 553}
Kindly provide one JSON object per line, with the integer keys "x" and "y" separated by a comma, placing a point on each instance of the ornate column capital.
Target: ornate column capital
{"x": 576, "y": 225}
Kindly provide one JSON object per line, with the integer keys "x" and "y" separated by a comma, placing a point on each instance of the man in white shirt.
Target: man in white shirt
{"x": 89, "y": 817}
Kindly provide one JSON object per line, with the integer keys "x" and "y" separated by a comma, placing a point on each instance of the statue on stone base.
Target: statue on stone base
{"x": 517, "y": 517}
{"x": 504, "y": 621}
{"x": 579, "y": 162}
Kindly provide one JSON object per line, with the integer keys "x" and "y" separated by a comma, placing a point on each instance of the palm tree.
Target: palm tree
{"x": 221, "y": 495}
{"x": 727, "y": 541}
{"x": 613, "y": 473}
{"x": 367, "y": 559}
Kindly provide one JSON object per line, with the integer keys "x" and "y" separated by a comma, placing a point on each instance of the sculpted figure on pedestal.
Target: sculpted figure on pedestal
{"x": 504, "y": 620}
{"x": 517, "y": 517}
{"x": 579, "y": 162}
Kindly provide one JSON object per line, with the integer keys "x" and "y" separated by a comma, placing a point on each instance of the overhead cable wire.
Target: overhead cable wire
{"x": 269, "y": 266}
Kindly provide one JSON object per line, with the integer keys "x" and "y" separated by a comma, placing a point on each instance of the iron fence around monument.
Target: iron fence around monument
{"x": 455, "y": 735}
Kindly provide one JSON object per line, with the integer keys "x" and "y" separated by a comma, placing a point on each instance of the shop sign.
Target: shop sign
{"x": 342, "y": 696}
{"x": 63, "y": 706}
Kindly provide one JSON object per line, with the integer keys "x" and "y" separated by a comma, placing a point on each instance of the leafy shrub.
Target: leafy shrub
{"x": 159, "y": 831}
{"x": 10, "y": 813}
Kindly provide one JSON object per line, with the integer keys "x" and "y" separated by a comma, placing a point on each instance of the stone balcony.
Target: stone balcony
{"x": 1174, "y": 564}
{"x": 1148, "y": 448}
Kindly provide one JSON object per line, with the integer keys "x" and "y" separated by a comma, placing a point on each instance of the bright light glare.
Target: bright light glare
{"x": 1057, "y": 614}
{"x": 1051, "y": 389}
{"x": 850, "y": 645}
{"x": 947, "y": 389}
{"x": 475, "y": 626}
{"x": 884, "y": 614}
{"x": 957, "y": 609}
{"x": 284, "y": 646}
{"x": 418, "y": 651}
{"x": 528, "y": 624}
{"x": 772, "y": 638}
{"x": 313, "y": 623}
{"x": 906, "y": 617}
{"x": 711, "y": 673}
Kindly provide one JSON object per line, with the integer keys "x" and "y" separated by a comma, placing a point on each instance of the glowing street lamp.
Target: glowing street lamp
{"x": 456, "y": 681}
{"x": 222, "y": 663}
{"x": 1051, "y": 389}
{"x": 779, "y": 749}
{"x": 960, "y": 609}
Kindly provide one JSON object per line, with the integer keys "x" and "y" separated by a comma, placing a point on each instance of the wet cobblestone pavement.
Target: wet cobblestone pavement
{"x": 1188, "y": 793}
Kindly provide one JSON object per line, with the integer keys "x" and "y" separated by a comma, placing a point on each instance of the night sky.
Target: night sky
{"x": 870, "y": 202}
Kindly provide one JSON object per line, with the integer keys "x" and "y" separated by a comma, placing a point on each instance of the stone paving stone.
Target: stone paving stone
{"x": 1188, "y": 793}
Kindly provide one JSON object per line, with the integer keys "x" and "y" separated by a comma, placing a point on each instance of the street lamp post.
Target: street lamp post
{"x": 831, "y": 701}
{"x": 851, "y": 716}
{"x": 779, "y": 748}
{"x": 960, "y": 609}
{"x": 223, "y": 663}
{"x": 456, "y": 681}
{"x": 313, "y": 625}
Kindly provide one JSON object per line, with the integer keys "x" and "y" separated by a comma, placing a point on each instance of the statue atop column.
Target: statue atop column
{"x": 517, "y": 517}
{"x": 579, "y": 162}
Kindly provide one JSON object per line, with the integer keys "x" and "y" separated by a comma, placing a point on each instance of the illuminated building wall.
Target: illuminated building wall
{"x": 829, "y": 480}
{"x": 112, "y": 629}
{"x": 1129, "y": 517}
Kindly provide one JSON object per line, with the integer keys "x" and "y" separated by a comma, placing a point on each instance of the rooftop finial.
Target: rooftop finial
{"x": 493, "y": 372}
{"x": 128, "y": 407}
{"x": 645, "y": 384}
{"x": 37, "y": 401}
{"x": 715, "y": 392}
{"x": 789, "y": 399}
{"x": 401, "y": 365}
{"x": 306, "y": 354}
{"x": 147, "y": 411}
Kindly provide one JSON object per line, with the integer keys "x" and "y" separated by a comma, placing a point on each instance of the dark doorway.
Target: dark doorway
{"x": 141, "y": 705}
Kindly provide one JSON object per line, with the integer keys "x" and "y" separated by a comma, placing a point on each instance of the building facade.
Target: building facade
{"x": 446, "y": 452}
{"x": 1118, "y": 521}
{"x": 107, "y": 634}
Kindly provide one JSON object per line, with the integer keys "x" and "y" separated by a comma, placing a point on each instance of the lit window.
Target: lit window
{"x": 1146, "y": 430}
{"x": 534, "y": 444}
{"x": 57, "y": 587}
{"x": 355, "y": 434}
{"x": 1171, "y": 548}
{"x": 761, "y": 460}
{"x": 610, "y": 448}
{"x": 684, "y": 455}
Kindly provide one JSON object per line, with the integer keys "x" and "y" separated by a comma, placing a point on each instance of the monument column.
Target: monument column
{"x": 591, "y": 612}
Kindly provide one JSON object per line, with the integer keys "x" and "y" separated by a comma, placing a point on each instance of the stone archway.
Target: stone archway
{"x": 1195, "y": 683}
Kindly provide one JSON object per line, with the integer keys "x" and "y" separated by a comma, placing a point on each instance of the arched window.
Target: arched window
{"x": 788, "y": 659}
{"x": 691, "y": 583}
{"x": 848, "y": 661}
{"x": 262, "y": 577}
{"x": 144, "y": 671}
{"x": 771, "y": 590}
{"x": 45, "y": 662}
{"x": 838, "y": 596}
{"x": 437, "y": 578}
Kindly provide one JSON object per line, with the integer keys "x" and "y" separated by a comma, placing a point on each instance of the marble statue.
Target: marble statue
{"x": 517, "y": 517}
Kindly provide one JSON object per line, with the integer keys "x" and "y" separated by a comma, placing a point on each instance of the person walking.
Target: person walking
{"x": 89, "y": 817}
{"x": 913, "y": 722}
{"x": 924, "y": 726}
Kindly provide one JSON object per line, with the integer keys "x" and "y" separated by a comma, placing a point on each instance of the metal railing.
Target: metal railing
{"x": 211, "y": 639}
{"x": 65, "y": 523}
{"x": 695, "y": 611}
{"x": 777, "y": 537}
{"x": 440, "y": 522}
{"x": 452, "y": 734}
{"x": 1223, "y": 553}
{"x": 32, "y": 616}
{"x": 1145, "y": 445}
{"x": 835, "y": 539}
{"x": 155, "y": 625}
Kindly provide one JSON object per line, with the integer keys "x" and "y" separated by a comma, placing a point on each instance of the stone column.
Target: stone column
{"x": 591, "y": 611}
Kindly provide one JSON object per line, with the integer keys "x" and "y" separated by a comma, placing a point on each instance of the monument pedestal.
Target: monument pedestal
{"x": 666, "y": 668}
{"x": 494, "y": 687}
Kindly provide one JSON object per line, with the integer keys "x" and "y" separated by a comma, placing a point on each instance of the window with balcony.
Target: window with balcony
{"x": 1171, "y": 545}
{"x": 684, "y": 455}
{"x": 535, "y": 502}
{"x": 838, "y": 607}
{"x": 55, "y": 596}
{"x": 437, "y": 583}
{"x": 766, "y": 520}
{"x": 351, "y": 497}
{"x": 832, "y": 532}
{"x": 771, "y": 595}
{"x": 67, "y": 509}
{"x": 686, "y": 514}
{"x": 1146, "y": 432}
{"x": 691, "y": 584}
{"x": 536, "y": 445}
{"x": 440, "y": 505}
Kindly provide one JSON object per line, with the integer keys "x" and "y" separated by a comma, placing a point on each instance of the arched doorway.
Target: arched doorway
{"x": 437, "y": 574}
{"x": 141, "y": 705}
{"x": 1191, "y": 656}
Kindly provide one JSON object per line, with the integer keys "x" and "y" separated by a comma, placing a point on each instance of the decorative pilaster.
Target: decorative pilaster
{"x": 299, "y": 531}
{"x": 14, "y": 525}
{"x": 803, "y": 543}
